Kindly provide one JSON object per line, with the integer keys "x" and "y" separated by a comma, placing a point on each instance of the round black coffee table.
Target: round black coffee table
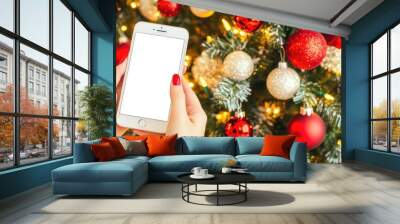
{"x": 238, "y": 179}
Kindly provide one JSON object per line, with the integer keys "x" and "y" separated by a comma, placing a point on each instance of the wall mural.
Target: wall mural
{"x": 252, "y": 77}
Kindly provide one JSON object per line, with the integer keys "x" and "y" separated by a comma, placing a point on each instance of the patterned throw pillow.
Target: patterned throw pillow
{"x": 134, "y": 147}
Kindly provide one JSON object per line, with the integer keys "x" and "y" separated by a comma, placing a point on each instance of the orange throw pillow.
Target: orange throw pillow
{"x": 116, "y": 145}
{"x": 103, "y": 152}
{"x": 135, "y": 137}
{"x": 159, "y": 145}
{"x": 277, "y": 145}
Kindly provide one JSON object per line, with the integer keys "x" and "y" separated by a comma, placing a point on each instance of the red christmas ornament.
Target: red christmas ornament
{"x": 334, "y": 41}
{"x": 168, "y": 8}
{"x": 246, "y": 24}
{"x": 122, "y": 52}
{"x": 306, "y": 49}
{"x": 309, "y": 129}
{"x": 238, "y": 126}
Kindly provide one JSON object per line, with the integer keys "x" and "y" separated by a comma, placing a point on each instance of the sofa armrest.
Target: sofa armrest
{"x": 83, "y": 152}
{"x": 298, "y": 155}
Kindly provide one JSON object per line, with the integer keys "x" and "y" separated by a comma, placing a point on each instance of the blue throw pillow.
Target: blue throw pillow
{"x": 249, "y": 145}
{"x": 206, "y": 145}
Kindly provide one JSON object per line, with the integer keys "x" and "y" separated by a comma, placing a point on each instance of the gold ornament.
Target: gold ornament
{"x": 223, "y": 117}
{"x": 202, "y": 13}
{"x": 333, "y": 60}
{"x": 283, "y": 82}
{"x": 238, "y": 65}
{"x": 207, "y": 71}
{"x": 148, "y": 8}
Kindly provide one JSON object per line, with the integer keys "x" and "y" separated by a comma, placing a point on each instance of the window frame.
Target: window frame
{"x": 16, "y": 115}
{"x": 388, "y": 74}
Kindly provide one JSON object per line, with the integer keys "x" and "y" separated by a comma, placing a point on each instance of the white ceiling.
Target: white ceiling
{"x": 327, "y": 16}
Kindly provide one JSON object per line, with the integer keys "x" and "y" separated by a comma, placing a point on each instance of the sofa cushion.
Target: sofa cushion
{"x": 185, "y": 163}
{"x": 277, "y": 145}
{"x": 134, "y": 147}
{"x": 249, "y": 145}
{"x": 257, "y": 163}
{"x": 112, "y": 171}
{"x": 161, "y": 145}
{"x": 83, "y": 152}
{"x": 103, "y": 152}
{"x": 206, "y": 145}
{"x": 116, "y": 145}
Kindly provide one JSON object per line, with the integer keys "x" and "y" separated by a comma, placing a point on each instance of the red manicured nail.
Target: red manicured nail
{"x": 176, "y": 80}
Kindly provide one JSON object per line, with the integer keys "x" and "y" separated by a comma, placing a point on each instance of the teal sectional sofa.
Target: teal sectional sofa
{"x": 125, "y": 176}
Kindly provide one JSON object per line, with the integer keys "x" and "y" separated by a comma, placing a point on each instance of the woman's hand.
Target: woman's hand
{"x": 186, "y": 115}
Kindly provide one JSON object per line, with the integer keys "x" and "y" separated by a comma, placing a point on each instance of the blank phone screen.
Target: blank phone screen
{"x": 154, "y": 59}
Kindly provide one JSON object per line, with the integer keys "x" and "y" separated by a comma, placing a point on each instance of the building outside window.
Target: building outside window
{"x": 385, "y": 91}
{"x": 3, "y": 72}
{"x": 30, "y": 87}
{"x": 58, "y": 125}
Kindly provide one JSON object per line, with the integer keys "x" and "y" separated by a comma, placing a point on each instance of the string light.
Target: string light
{"x": 124, "y": 28}
{"x": 226, "y": 25}
{"x": 134, "y": 5}
{"x": 209, "y": 39}
{"x": 329, "y": 97}
{"x": 188, "y": 60}
{"x": 273, "y": 110}
{"x": 191, "y": 84}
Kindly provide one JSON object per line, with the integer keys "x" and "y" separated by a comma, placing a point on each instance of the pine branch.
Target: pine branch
{"x": 220, "y": 47}
{"x": 331, "y": 113}
{"x": 231, "y": 93}
{"x": 307, "y": 94}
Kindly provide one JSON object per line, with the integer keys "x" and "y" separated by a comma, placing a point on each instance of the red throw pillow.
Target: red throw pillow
{"x": 103, "y": 152}
{"x": 159, "y": 145}
{"x": 116, "y": 145}
{"x": 277, "y": 145}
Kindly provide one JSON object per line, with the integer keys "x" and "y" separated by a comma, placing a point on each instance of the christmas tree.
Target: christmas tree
{"x": 282, "y": 79}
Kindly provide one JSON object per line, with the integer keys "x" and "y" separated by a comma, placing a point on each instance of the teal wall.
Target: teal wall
{"x": 24, "y": 178}
{"x": 99, "y": 15}
{"x": 356, "y": 86}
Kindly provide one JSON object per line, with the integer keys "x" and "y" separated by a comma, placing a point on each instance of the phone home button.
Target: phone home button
{"x": 142, "y": 123}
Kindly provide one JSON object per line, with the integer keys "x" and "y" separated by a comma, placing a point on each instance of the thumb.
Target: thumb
{"x": 177, "y": 95}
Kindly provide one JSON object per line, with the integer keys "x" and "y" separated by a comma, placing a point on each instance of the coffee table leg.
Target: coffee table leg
{"x": 245, "y": 193}
{"x": 217, "y": 194}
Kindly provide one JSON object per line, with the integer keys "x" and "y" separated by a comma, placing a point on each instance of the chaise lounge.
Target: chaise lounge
{"x": 125, "y": 176}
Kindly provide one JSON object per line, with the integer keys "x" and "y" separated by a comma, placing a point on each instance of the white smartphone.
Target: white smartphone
{"x": 157, "y": 52}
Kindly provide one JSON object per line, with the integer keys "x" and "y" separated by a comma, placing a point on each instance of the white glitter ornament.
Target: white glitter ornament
{"x": 333, "y": 60}
{"x": 148, "y": 8}
{"x": 238, "y": 65}
{"x": 207, "y": 71}
{"x": 283, "y": 82}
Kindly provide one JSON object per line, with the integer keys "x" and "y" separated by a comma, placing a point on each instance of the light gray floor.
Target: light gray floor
{"x": 379, "y": 189}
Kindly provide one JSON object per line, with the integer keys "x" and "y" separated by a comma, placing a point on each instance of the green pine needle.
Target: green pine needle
{"x": 231, "y": 93}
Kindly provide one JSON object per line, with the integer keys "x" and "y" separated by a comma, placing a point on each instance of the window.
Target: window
{"x": 3, "y": 72}
{"x": 7, "y": 89}
{"x": 385, "y": 92}
{"x": 30, "y": 87}
{"x": 45, "y": 123}
{"x": 37, "y": 89}
{"x": 30, "y": 72}
{"x": 44, "y": 91}
{"x": 3, "y": 78}
{"x": 7, "y": 14}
